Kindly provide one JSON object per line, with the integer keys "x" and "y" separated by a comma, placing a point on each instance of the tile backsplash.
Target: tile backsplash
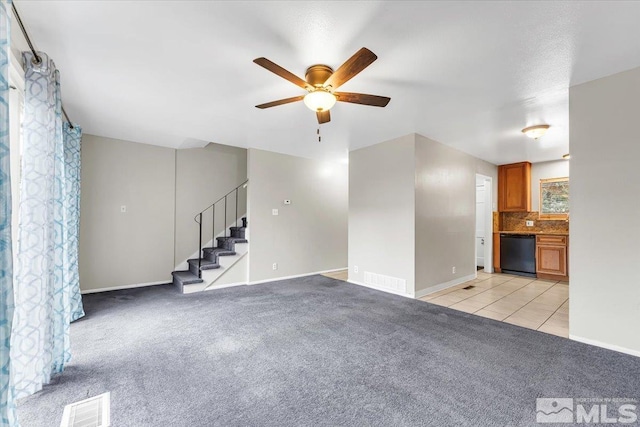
{"x": 516, "y": 221}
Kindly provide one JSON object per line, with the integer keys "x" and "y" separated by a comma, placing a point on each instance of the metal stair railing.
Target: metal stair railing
{"x": 212, "y": 207}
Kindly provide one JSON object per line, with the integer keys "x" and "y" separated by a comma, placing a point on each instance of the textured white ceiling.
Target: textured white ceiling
{"x": 468, "y": 74}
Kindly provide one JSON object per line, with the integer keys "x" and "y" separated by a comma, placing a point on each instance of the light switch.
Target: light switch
{"x": 274, "y": 211}
{"x": 529, "y": 223}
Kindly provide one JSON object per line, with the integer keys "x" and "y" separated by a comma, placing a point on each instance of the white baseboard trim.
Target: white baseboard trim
{"x": 257, "y": 282}
{"x": 118, "y": 288}
{"x": 377, "y": 288}
{"x": 449, "y": 284}
{"x": 604, "y": 345}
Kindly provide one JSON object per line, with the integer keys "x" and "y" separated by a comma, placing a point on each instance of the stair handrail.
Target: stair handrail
{"x": 195, "y": 218}
{"x": 198, "y": 219}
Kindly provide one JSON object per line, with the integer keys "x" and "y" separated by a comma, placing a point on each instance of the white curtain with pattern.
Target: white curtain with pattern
{"x": 47, "y": 294}
{"x": 7, "y": 405}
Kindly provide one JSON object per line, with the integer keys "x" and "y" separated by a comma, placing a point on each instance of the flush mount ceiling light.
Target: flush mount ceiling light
{"x": 320, "y": 100}
{"x": 536, "y": 131}
{"x": 566, "y": 156}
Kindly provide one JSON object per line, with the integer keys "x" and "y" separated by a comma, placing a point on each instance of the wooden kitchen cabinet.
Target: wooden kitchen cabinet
{"x": 496, "y": 253}
{"x": 551, "y": 257}
{"x": 514, "y": 187}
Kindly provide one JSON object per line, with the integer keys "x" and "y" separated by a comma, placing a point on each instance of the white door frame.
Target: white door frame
{"x": 488, "y": 224}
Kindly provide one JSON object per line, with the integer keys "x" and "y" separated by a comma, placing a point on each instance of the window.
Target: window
{"x": 554, "y": 198}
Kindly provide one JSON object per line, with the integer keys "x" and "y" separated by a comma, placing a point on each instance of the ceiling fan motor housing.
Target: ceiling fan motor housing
{"x": 317, "y": 74}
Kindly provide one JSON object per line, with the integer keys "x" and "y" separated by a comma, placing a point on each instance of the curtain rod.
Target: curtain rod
{"x": 36, "y": 58}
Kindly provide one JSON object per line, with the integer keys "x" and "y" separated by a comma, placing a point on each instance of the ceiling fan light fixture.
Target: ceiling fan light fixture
{"x": 320, "y": 100}
{"x": 536, "y": 131}
{"x": 322, "y": 82}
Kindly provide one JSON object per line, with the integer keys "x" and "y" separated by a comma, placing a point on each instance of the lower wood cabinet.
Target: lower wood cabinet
{"x": 551, "y": 257}
{"x": 496, "y": 252}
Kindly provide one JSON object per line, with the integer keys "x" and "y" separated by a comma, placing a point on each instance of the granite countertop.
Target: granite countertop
{"x": 553, "y": 233}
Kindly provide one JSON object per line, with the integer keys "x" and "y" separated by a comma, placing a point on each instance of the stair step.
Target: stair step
{"x": 229, "y": 242}
{"x": 233, "y": 239}
{"x": 205, "y": 264}
{"x": 185, "y": 278}
{"x": 238, "y": 232}
{"x": 218, "y": 251}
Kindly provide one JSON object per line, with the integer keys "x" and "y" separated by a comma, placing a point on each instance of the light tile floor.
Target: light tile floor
{"x": 531, "y": 303}
{"x": 340, "y": 275}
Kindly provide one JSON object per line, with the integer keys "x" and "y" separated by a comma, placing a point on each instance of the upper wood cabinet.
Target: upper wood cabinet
{"x": 514, "y": 187}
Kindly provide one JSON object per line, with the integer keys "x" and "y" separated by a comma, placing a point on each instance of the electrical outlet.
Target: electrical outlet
{"x": 123, "y": 209}
{"x": 275, "y": 265}
{"x": 274, "y": 212}
{"x": 530, "y": 223}
{"x": 453, "y": 270}
{"x": 355, "y": 268}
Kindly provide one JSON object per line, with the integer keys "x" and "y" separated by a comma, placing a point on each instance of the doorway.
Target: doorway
{"x": 484, "y": 223}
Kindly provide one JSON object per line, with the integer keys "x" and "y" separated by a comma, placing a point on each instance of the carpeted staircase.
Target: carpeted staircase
{"x": 225, "y": 247}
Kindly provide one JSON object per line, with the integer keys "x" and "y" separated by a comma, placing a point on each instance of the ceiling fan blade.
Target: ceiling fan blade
{"x": 280, "y": 102}
{"x": 358, "y": 62}
{"x": 323, "y": 116}
{"x": 363, "y": 98}
{"x": 287, "y": 75}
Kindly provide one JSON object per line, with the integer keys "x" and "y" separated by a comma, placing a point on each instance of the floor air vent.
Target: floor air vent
{"x": 92, "y": 412}
{"x": 469, "y": 287}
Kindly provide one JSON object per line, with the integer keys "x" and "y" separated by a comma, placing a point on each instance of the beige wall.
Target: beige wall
{"x": 605, "y": 207}
{"x": 203, "y": 175}
{"x": 445, "y": 213}
{"x": 412, "y": 211}
{"x": 308, "y": 235}
{"x": 545, "y": 170}
{"x": 163, "y": 190}
{"x": 381, "y": 210}
{"x": 118, "y": 249}
{"x": 397, "y": 217}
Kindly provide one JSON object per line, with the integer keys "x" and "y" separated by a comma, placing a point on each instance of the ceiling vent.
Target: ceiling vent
{"x": 92, "y": 412}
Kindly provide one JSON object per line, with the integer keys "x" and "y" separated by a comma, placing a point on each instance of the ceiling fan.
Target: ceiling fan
{"x": 321, "y": 83}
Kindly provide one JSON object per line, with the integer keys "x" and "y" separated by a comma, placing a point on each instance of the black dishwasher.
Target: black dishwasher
{"x": 518, "y": 254}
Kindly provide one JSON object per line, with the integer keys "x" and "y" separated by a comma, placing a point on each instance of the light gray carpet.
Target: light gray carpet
{"x": 315, "y": 352}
